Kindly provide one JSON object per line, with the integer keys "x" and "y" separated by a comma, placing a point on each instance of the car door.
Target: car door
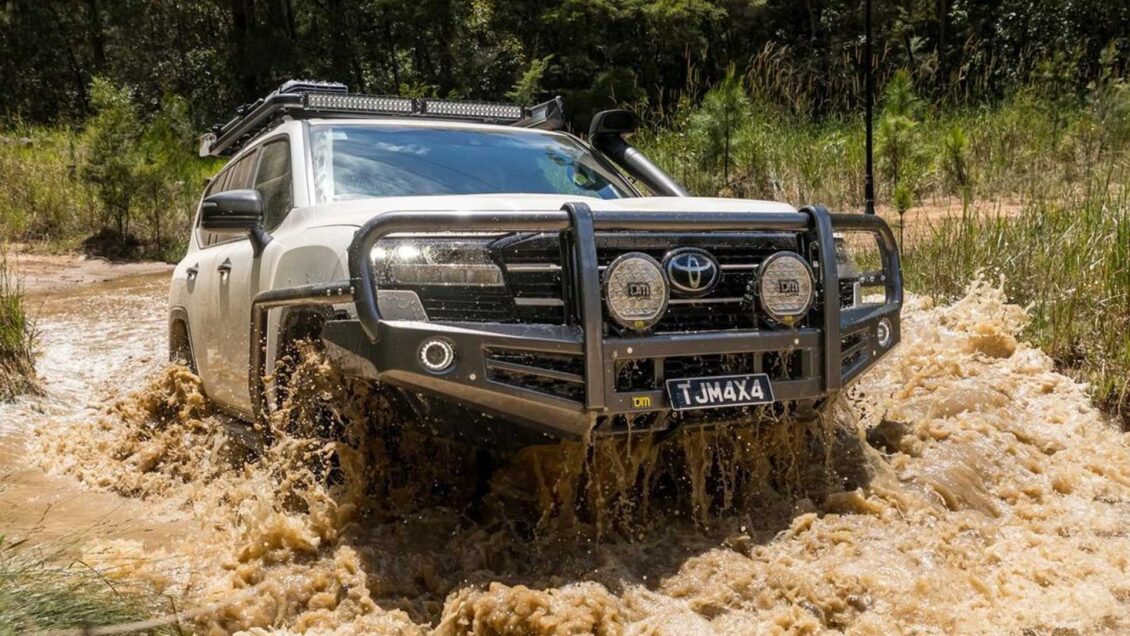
{"x": 198, "y": 294}
{"x": 216, "y": 279}
{"x": 240, "y": 273}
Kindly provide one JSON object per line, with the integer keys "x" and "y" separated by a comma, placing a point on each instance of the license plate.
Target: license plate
{"x": 725, "y": 390}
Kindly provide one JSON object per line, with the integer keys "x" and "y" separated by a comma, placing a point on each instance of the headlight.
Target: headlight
{"x": 635, "y": 291}
{"x": 455, "y": 261}
{"x": 784, "y": 286}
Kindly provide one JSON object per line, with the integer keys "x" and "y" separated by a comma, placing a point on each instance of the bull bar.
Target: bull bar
{"x": 386, "y": 350}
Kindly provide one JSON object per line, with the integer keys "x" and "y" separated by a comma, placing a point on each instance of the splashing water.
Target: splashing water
{"x": 962, "y": 486}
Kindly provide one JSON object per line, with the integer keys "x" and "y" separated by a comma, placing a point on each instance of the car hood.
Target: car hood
{"x": 357, "y": 212}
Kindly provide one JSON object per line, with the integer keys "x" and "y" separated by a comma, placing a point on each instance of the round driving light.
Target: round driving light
{"x": 635, "y": 291}
{"x": 883, "y": 332}
{"x": 784, "y": 286}
{"x": 437, "y": 355}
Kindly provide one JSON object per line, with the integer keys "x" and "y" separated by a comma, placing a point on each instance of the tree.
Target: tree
{"x": 900, "y": 156}
{"x": 111, "y": 163}
{"x": 725, "y": 109}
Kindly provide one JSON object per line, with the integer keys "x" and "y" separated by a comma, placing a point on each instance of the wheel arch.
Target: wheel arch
{"x": 180, "y": 339}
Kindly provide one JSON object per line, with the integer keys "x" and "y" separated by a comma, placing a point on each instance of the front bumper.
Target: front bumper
{"x": 583, "y": 359}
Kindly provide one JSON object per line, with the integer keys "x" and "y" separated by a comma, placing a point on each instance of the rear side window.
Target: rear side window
{"x": 273, "y": 182}
{"x": 217, "y": 183}
{"x": 235, "y": 176}
{"x": 241, "y": 172}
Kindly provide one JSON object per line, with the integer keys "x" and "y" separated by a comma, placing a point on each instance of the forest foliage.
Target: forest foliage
{"x": 217, "y": 54}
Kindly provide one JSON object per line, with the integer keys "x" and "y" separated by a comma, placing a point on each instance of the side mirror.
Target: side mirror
{"x": 613, "y": 122}
{"x": 232, "y": 212}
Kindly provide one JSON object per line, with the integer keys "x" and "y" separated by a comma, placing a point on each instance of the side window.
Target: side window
{"x": 273, "y": 182}
{"x": 214, "y": 186}
{"x": 241, "y": 172}
{"x": 235, "y": 176}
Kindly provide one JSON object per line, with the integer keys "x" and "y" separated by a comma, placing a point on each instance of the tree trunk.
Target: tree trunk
{"x": 97, "y": 37}
{"x": 242, "y": 28}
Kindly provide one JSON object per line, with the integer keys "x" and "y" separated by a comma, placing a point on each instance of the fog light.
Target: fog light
{"x": 437, "y": 355}
{"x": 635, "y": 291}
{"x": 883, "y": 332}
{"x": 784, "y": 285}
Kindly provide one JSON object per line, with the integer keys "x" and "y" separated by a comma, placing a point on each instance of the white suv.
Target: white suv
{"x": 506, "y": 282}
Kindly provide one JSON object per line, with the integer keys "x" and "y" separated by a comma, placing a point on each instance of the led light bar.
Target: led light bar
{"x": 472, "y": 110}
{"x": 299, "y": 98}
{"x": 359, "y": 103}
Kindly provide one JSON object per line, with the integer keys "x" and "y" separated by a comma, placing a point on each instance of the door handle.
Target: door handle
{"x": 225, "y": 268}
{"x": 191, "y": 272}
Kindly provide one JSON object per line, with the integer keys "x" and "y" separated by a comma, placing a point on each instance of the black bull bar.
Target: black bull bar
{"x": 387, "y": 350}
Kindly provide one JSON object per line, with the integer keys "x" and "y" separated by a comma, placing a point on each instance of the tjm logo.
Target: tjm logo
{"x": 788, "y": 287}
{"x": 639, "y": 290}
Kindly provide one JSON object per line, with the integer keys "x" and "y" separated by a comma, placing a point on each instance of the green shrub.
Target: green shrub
{"x": 41, "y": 198}
{"x": 130, "y": 181}
{"x": 17, "y": 339}
{"x": 955, "y": 162}
{"x": 715, "y": 126}
{"x": 111, "y": 164}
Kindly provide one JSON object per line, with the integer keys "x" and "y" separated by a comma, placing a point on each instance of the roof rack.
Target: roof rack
{"x": 303, "y": 98}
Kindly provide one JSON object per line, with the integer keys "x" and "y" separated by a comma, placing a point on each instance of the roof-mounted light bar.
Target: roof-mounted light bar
{"x": 510, "y": 113}
{"x": 330, "y": 99}
{"x": 374, "y": 104}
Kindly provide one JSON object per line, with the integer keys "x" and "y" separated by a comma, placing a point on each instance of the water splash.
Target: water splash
{"x": 963, "y": 486}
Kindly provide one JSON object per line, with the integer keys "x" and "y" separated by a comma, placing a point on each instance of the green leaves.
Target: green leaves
{"x": 111, "y": 163}
{"x": 901, "y": 157}
{"x": 528, "y": 87}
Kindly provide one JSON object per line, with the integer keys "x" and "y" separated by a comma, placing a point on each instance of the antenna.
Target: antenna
{"x": 869, "y": 89}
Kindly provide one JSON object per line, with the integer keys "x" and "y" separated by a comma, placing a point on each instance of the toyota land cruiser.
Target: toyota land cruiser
{"x": 510, "y": 283}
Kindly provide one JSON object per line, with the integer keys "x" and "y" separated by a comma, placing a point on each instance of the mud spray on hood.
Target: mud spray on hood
{"x": 961, "y": 487}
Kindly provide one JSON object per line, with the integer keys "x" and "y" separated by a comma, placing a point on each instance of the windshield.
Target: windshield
{"x": 362, "y": 161}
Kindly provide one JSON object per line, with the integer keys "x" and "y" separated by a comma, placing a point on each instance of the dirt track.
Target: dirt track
{"x": 42, "y": 274}
{"x": 991, "y": 498}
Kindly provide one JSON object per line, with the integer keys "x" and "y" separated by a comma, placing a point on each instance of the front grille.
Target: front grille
{"x": 559, "y": 375}
{"x": 535, "y": 273}
{"x": 537, "y": 278}
{"x": 739, "y": 254}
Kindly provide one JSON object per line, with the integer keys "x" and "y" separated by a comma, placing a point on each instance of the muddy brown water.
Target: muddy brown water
{"x": 962, "y": 487}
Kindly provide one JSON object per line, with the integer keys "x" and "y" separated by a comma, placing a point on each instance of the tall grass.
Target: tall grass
{"x": 1068, "y": 260}
{"x": 17, "y": 338}
{"x": 41, "y": 197}
{"x": 42, "y": 591}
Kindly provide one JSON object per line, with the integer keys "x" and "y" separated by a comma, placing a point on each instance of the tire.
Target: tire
{"x": 180, "y": 345}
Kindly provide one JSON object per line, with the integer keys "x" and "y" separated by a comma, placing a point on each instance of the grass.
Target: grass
{"x": 45, "y": 592}
{"x": 1060, "y": 163}
{"x": 1067, "y": 260}
{"x": 17, "y": 339}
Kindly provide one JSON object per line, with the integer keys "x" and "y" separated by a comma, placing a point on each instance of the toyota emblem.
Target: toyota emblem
{"x": 691, "y": 271}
